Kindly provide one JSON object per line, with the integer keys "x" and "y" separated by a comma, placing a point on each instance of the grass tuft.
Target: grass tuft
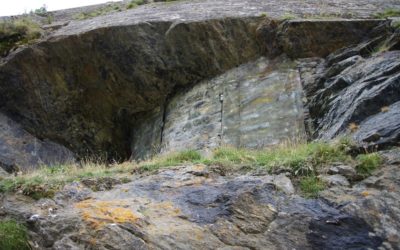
{"x": 368, "y": 163}
{"x": 17, "y": 32}
{"x": 391, "y": 12}
{"x": 13, "y": 236}
{"x": 311, "y": 186}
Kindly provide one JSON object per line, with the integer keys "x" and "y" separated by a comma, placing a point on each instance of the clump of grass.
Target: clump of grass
{"x": 13, "y": 236}
{"x": 310, "y": 186}
{"x": 302, "y": 159}
{"x": 173, "y": 159}
{"x": 135, "y": 3}
{"x": 368, "y": 163}
{"x": 288, "y": 16}
{"x": 111, "y": 7}
{"x": 46, "y": 181}
{"x": 391, "y": 12}
{"x": 17, "y": 32}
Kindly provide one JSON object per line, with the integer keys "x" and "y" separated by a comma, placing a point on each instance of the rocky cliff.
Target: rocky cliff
{"x": 89, "y": 85}
{"x": 167, "y": 77}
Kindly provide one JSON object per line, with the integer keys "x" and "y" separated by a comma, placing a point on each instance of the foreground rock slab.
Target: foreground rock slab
{"x": 193, "y": 207}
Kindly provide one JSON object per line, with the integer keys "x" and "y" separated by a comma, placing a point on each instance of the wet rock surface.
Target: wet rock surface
{"x": 183, "y": 208}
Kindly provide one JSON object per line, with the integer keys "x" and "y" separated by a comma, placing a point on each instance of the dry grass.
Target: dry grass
{"x": 301, "y": 159}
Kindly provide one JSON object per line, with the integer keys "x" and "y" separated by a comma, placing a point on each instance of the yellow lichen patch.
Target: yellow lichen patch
{"x": 385, "y": 109}
{"x": 365, "y": 193}
{"x": 100, "y": 213}
{"x": 353, "y": 127}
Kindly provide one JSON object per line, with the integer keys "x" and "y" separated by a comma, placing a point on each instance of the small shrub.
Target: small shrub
{"x": 311, "y": 186}
{"x": 42, "y": 11}
{"x": 13, "y": 236}
{"x": 368, "y": 163}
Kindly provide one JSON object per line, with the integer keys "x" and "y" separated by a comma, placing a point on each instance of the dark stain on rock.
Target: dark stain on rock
{"x": 347, "y": 233}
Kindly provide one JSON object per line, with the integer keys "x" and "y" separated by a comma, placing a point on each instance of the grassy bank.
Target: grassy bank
{"x": 302, "y": 160}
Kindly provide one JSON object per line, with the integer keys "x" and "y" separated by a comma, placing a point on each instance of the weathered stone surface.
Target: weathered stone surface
{"x": 282, "y": 182}
{"x": 319, "y": 38}
{"x": 382, "y": 128}
{"x": 147, "y": 134}
{"x": 84, "y": 84}
{"x": 376, "y": 200}
{"x": 20, "y": 151}
{"x": 334, "y": 180}
{"x": 178, "y": 208}
{"x": 99, "y": 79}
{"x": 345, "y": 170}
{"x": 361, "y": 99}
{"x": 255, "y": 105}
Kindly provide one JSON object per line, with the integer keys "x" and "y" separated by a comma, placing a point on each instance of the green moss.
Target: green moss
{"x": 135, "y": 3}
{"x": 111, "y": 7}
{"x": 288, "y": 16}
{"x": 13, "y": 236}
{"x": 368, "y": 163}
{"x": 311, "y": 186}
{"x": 388, "y": 13}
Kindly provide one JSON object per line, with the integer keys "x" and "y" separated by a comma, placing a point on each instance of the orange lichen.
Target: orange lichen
{"x": 365, "y": 193}
{"x": 353, "y": 127}
{"x": 99, "y": 213}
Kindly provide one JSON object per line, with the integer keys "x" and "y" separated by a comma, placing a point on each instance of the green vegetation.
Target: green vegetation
{"x": 135, "y": 3}
{"x": 44, "y": 182}
{"x": 388, "y": 13}
{"x": 303, "y": 160}
{"x": 111, "y": 7}
{"x": 42, "y": 11}
{"x": 13, "y": 236}
{"x": 17, "y": 32}
{"x": 311, "y": 186}
{"x": 173, "y": 159}
{"x": 288, "y": 16}
{"x": 368, "y": 163}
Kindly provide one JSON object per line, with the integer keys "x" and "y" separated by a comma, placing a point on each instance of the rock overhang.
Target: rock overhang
{"x": 144, "y": 57}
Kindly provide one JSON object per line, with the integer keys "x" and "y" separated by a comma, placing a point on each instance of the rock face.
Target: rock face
{"x": 221, "y": 111}
{"x": 114, "y": 87}
{"x": 82, "y": 91}
{"x": 194, "y": 208}
{"x": 22, "y": 151}
{"x": 357, "y": 94}
{"x": 201, "y": 74}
